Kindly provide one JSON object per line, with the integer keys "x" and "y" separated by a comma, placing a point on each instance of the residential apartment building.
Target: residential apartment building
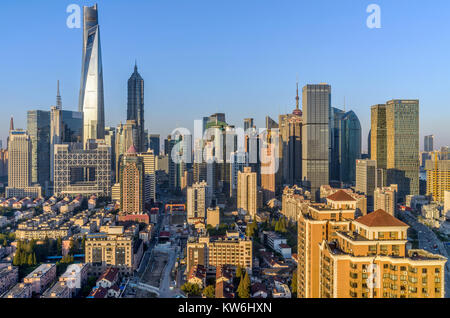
{"x": 319, "y": 223}
{"x": 438, "y": 178}
{"x": 41, "y": 277}
{"x": 103, "y": 250}
{"x": 20, "y": 290}
{"x": 370, "y": 260}
{"x": 59, "y": 290}
{"x": 294, "y": 201}
{"x": 9, "y": 276}
{"x": 247, "y": 189}
{"x": 212, "y": 252}
{"x": 385, "y": 199}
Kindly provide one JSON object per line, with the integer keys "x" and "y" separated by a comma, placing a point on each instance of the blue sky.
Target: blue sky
{"x": 241, "y": 57}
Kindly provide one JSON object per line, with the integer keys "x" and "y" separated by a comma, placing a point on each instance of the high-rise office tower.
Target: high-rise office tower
{"x": 366, "y": 179}
{"x": 270, "y": 123}
{"x": 248, "y": 123}
{"x": 132, "y": 182}
{"x": 385, "y": 198}
{"x": 247, "y": 191}
{"x": 56, "y": 134}
{"x": 154, "y": 143}
{"x": 91, "y": 100}
{"x": 290, "y": 145}
{"x": 402, "y": 123}
{"x": 70, "y": 162}
{"x": 126, "y": 136}
{"x": 149, "y": 160}
{"x": 197, "y": 201}
{"x": 345, "y": 145}
{"x": 239, "y": 160}
{"x": 110, "y": 140}
{"x": 19, "y": 166}
{"x": 428, "y": 143}
{"x": 38, "y": 128}
{"x": 135, "y": 109}
{"x": 316, "y": 137}
{"x": 369, "y": 144}
{"x": 438, "y": 177}
{"x": 378, "y": 143}
{"x": 19, "y": 169}
{"x": 3, "y": 163}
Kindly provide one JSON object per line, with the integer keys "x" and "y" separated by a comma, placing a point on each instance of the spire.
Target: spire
{"x": 58, "y": 97}
{"x": 135, "y": 66}
{"x": 11, "y": 124}
{"x": 297, "y": 110}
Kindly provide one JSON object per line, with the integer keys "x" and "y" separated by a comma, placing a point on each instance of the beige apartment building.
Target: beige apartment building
{"x": 293, "y": 202}
{"x": 385, "y": 199}
{"x": 438, "y": 178}
{"x": 247, "y": 191}
{"x": 230, "y": 250}
{"x": 370, "y": 260}
{"x": 103, "y": 250}
{"x": 320, "y": 223}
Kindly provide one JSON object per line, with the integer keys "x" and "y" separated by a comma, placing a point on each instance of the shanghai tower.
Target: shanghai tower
{"x": 135, "y": 107}
{"x": 91, "y": 102}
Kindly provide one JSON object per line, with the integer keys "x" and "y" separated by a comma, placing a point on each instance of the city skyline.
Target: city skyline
{"x": 228, "y": 88}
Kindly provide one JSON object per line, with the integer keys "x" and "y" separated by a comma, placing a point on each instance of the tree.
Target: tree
{"x": 244, "y": 287}
{"x": 59, "y": 246}
{"x": 209, "y": 291}
{"x": 30, "y": 260}
{"x": 238, "y": 271}
{"x": 191, "y": 289}
{"x": 294, "y": 284}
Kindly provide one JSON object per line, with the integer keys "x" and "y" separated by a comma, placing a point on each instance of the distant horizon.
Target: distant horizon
{"x": 242, "y": 59}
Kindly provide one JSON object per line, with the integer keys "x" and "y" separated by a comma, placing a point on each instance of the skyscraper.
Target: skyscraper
{"x": 247, "y": 192}
{"x": 378, "y": 143}
{"x": 316, "y": 137}
{"x": 132, "y": 182}
{"x": 149, "y": 159}
{"x": 345, "y": 145}
{"x": 91, "y": 100}
{"x": 402, "y": 132}
{"x": 154, "y": 143}
{"x": 197, "y": 201}
{"x": 428, "y": 143}
{"x": 126, "y": 136}
{"x": 135, "y": 109}
{"x": 366, "y": 179}
{"x": 38, "y": 127}
{"x": 19, "y": 166}
{"x": 290, "y": 146}
{"x": 248, "y": 123}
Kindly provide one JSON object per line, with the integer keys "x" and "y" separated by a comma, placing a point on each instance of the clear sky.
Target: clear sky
{"x": 241, "y": 57}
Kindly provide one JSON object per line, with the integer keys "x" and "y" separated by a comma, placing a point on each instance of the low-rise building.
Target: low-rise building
{"x": 9, "y": 276}
{"x": 21, "y": 290}
{"x": 41, "y": 277}
{"x": 59, "y": 290}
{"x": 75, "y": 277}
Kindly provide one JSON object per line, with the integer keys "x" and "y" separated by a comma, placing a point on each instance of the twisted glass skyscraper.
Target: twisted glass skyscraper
{"x": 91, "y": 101}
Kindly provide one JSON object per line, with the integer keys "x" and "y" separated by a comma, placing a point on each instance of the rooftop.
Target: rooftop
{"x": 380, "y": 218}
{"x": 341, "y": 195}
